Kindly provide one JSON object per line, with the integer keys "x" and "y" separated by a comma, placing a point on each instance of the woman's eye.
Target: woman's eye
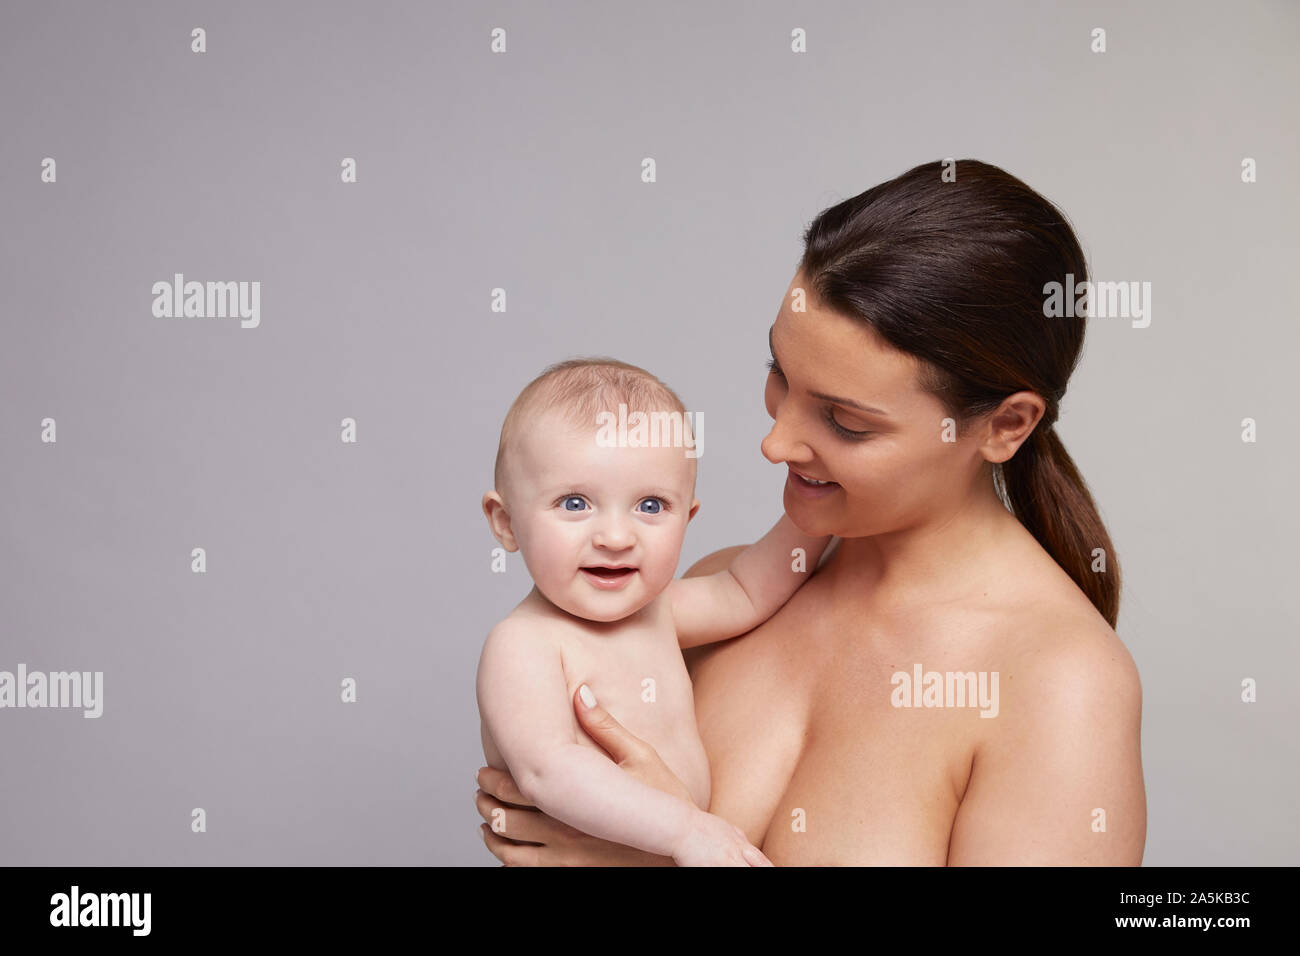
{"x": 574, "y": 503}
{"x": 840, "y": 429}
{"x": 774, "y": 368}
{"x": 650, "y": 506}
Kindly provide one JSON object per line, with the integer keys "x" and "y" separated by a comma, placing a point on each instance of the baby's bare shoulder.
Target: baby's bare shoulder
{"x": 524, "y": 626}
{"x": 520, "y": 647}
{"x": 648, "y": 629}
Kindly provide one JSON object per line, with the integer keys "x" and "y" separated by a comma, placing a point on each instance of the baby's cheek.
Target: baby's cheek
{"x": 663, "y": 567}
{"x": 655, "y": 581}
{"x": 546, "y": 565}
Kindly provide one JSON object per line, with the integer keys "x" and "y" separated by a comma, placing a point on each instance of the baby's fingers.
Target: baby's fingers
{"x": 754, "y": 857}
{"x": 752, "y": 854}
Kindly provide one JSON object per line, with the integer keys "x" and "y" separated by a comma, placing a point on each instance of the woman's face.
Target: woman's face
{"x": 847, "y": 410}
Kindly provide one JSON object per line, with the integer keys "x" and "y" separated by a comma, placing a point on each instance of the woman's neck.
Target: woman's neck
{"x": 950, "y": 552}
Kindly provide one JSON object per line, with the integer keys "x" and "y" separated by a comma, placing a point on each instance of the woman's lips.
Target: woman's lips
{"x": 810, "y": 488}
{"x": 609, "y": 579}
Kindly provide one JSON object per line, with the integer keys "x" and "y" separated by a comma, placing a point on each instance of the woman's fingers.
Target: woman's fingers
{"x": 507, "y": 812}
{"x": 511, "y": 854}
{"x": 501, "y": 785}
{"x": 627, "y": 750}
{"x": 515, "y": 823}
{"x": 604, "y": 729}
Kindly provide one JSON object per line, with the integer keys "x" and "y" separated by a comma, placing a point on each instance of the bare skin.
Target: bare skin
{"x": 808, "y": 754}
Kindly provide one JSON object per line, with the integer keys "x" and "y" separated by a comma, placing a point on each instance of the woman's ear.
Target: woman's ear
{"x": 1011, "y": 424}
{"x": 498, "y": 517}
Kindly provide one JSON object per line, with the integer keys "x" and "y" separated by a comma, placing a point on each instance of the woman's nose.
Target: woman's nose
{"x": 781, "y": 444}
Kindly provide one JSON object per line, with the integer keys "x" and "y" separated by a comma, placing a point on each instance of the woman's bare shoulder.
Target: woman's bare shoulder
{"x": 1065, "y": 630}
{"x": 1066, "y": 741}
{"x": 1069, "y": 685}
{"x": 1056, "y": 637}
{"x": 1079, "y": 650}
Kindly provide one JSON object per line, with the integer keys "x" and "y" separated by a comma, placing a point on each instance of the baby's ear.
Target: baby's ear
{"x": 695, "y": 506}
{"x": 499, "y": 520}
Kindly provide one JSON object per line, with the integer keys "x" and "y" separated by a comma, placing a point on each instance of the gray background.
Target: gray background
{"x": 521, "y": 171}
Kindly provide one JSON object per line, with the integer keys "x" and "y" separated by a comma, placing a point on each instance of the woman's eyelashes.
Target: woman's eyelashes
{"x": 840, "y": 430}
{"x": 836, "y": 427}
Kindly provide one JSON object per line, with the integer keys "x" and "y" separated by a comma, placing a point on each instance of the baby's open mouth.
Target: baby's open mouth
{"x": 610, "y": 574}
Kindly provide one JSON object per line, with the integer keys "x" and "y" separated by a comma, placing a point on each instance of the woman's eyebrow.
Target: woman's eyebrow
{"x": 833, "y": 399}
{"x": 850, "y": 403}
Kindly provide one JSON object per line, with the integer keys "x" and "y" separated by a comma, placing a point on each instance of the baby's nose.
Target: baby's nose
{"x": 614, "y": 536}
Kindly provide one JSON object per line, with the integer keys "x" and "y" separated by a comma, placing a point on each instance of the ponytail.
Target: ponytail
{"x": 1049, "y": 496}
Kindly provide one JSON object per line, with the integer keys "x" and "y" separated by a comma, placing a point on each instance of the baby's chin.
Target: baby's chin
{"x": 607, "y": 614}
{"x": 595, "y": 617}
{"x": 599, "y": 608}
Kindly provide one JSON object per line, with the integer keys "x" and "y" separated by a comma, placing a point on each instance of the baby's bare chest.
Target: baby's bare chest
{"x": 641, "y": 679}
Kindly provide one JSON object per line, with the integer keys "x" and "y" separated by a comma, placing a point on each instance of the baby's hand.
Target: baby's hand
{"x": 712, "y": 841}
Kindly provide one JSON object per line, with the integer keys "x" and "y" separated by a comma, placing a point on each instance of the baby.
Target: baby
{"x": 600, "y": 529}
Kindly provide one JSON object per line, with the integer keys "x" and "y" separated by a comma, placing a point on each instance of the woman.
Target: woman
{"x": 913, "y": 389}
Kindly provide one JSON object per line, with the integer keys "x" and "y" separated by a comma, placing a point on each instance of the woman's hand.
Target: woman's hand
{"x": 518, "y": 834}
{"x": 539, "y": 840}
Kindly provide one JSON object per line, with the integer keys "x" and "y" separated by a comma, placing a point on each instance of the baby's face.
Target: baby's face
{"x": 600, "y": 529}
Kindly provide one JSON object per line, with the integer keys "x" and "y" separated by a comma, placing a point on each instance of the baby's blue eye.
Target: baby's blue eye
{"x": 655, "y": 506}
{"x": 574, "y": 503}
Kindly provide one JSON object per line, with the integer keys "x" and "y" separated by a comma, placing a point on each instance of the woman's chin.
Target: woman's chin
{"x": 810, "y": 517}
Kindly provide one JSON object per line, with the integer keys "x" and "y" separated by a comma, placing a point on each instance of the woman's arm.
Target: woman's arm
{"x": 1062, "y": 785}
{"x": 542, "y": 840}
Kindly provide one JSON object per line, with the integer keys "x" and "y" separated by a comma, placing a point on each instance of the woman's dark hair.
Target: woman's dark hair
{"x": 953, "y": 272}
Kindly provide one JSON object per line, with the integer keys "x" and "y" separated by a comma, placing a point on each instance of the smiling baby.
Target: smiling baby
{"x": 600, "y": 526}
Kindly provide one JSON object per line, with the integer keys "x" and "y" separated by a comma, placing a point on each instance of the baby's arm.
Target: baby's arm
{"x": 525, "y": 705}
{"x": 759, "y": 580}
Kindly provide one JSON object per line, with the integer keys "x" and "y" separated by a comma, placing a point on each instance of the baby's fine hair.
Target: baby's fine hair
{"x": 582, "y": 388}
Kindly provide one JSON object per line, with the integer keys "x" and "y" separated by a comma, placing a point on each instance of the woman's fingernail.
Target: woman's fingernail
{"x": 588, "y": 698}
